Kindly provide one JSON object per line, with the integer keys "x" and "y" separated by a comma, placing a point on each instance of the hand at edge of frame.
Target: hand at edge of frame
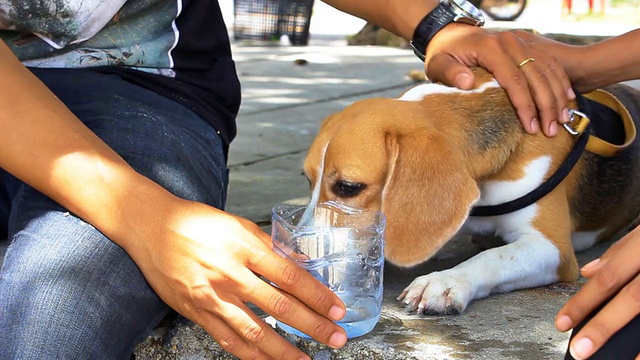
{"x": 615, "y": 276}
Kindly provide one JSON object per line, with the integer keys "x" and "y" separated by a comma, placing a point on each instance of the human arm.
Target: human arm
{"x": 614, "y": 280}
{"x": 201, "y": 261}
{"x": 594, "y": 65}
{"x": 540, "y": 92}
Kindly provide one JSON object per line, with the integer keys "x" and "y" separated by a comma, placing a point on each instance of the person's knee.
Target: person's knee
{"x": 73, "y": 294}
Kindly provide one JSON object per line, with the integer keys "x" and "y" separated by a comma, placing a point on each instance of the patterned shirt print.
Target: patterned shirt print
{"x": 87, "y": 33}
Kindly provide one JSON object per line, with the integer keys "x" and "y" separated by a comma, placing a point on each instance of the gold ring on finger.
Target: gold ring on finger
{"x": 525, "y": 61}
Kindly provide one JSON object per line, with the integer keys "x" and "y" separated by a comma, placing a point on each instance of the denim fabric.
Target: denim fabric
{"x": 66, "y": 291}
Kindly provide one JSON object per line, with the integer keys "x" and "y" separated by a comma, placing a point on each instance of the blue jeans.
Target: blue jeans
{"x": 66, "y": 291}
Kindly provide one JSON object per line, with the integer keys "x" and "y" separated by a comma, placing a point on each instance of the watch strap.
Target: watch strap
{"x": 435, "y": 20}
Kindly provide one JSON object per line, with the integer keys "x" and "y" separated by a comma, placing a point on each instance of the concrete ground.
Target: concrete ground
{"x": 283, "y": 105}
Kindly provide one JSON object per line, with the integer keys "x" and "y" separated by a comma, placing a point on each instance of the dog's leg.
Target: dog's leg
{"x": 529, "y": 259}
{"x": 528, "y": 262}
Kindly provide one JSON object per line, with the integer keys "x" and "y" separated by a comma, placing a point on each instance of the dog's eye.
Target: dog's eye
{"x": 347, "y": 189}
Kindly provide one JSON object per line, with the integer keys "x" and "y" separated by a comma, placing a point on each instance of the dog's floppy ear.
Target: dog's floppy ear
{"x": 427, "y": 197}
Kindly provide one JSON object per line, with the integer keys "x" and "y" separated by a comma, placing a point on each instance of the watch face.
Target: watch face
{"x": 468, "y": 8}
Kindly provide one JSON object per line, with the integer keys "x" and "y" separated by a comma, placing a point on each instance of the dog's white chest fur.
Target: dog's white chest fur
{"x": 498, "y": 192}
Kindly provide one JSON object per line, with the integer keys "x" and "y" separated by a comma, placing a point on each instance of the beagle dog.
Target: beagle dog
{"x": 440, "y": 161}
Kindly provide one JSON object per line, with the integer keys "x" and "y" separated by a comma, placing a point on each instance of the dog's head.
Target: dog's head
{"x": 398, "y": 157}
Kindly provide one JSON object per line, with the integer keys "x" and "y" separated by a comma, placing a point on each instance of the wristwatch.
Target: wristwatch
{"x": 446, "y": 12}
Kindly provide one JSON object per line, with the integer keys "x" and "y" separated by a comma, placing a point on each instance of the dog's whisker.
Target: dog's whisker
{"x": 307, "y": 216}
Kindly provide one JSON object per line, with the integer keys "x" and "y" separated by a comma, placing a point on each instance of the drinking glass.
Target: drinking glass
{"x": 342, "y": 247}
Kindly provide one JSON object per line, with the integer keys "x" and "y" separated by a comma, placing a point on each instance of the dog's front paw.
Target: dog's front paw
{"x": 445, "y": 292}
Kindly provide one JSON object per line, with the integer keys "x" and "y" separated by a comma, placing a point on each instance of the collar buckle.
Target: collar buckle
{"x": 578, "y": 122}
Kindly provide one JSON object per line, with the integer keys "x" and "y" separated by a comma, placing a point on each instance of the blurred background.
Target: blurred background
{"x": 579, "y": 17}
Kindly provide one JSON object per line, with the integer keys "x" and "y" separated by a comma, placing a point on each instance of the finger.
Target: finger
{"x": 494, "y": 58}
{"x": 303, "y": 301}
{"x": 592, "y": 267}
{"x": 546, "y": 95}
{"x": 563, "y": 80}
{"x": 559, "y": 83}
{"x": 623, "y": 308}
{"x": 548, "y": 111}
{"x": 602, "y": 286}
{"x": 287, "y": 309}
{"x": 252, "y": 334}
{"x": 296, "y": 281}
{"x": 448, "y": 70}
{"x": 228, "y": 339}
{"x": 531, "y": 39}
